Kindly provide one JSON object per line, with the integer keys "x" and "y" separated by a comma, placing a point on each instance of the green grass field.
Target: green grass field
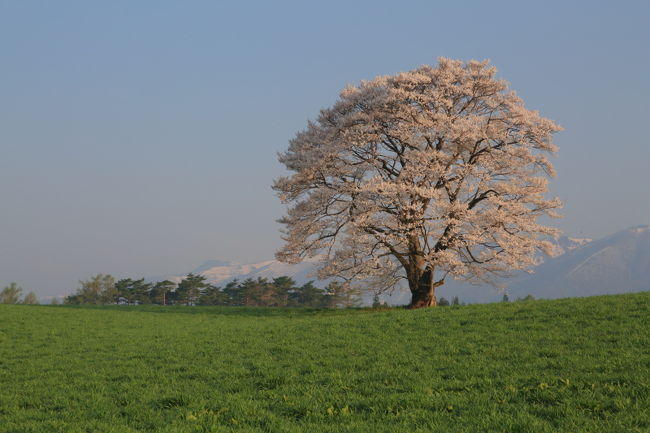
{"x": 573, "y": 365}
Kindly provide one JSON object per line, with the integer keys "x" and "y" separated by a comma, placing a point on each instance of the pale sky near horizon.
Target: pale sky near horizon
{"x": 140, "y": 138}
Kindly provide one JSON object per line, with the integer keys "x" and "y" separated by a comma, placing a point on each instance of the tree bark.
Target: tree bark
{"x": 423, "y": 290}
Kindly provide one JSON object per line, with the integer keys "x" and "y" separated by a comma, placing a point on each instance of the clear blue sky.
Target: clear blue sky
{"x": 140, "y": 137}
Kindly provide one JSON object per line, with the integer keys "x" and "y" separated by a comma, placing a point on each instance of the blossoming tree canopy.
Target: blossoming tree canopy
{"x": 436, "y": 172}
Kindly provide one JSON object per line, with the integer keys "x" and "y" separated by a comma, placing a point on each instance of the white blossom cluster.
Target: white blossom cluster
{"x": 440, "y": 167}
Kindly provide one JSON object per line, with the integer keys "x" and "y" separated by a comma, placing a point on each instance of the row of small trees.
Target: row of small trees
{"x": 195, "y": 290}
{"x": 12, "y": 294}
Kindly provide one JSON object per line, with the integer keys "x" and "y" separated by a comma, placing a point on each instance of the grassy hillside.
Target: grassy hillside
{"x": 573, "y": 365}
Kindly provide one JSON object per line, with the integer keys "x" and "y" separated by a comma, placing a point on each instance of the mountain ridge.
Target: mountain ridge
{"x": 618, "y": 263}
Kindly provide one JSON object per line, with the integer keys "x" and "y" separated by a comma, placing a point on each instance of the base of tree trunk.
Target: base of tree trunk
{"x": 424, "y": 290}
{"x": 423, "y": 300}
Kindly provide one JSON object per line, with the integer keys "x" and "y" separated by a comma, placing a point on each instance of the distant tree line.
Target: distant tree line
{"x": 195, "y": 290}
{"x": 443, "y": 302}
{"x": 12, "y": 294}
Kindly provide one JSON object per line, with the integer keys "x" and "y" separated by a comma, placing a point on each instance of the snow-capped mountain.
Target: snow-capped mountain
{"x": 615, "y": 264}
{"x": 219, "y": 272}
{"x": 618, "y": 263}
{"x": 566, "y": 243}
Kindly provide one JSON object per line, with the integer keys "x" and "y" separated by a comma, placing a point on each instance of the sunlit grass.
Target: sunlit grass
{"x": 545, "y": 366}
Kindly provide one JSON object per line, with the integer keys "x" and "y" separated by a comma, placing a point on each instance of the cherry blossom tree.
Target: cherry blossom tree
{"x": 433, "y": 173}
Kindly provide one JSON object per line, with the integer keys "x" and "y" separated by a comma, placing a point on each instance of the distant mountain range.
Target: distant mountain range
{"x": 219, "y": 273}
{"x": 618, "y": 263}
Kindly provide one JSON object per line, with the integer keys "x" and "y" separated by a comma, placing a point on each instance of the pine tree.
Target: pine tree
{"x": 189, "y": 289}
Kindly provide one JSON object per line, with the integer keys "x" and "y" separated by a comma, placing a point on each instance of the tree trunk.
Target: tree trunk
{"x": 423, "y": 290}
